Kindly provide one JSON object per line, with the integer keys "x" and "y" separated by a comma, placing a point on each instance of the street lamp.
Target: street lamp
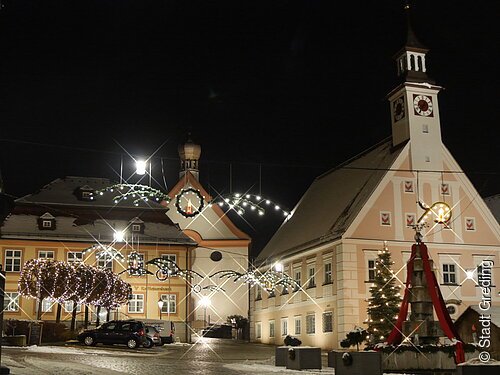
{"x": 160, "y": 305}
{"x": 205, "y": 302}
{"x": 140, "y": 167}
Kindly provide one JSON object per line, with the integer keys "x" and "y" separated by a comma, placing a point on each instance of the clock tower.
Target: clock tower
{"x": 414, "y": 105}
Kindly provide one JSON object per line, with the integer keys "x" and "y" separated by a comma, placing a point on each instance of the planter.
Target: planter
{"x": 350, "y": 363}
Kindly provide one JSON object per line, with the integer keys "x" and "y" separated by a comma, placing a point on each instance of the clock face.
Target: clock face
{"x": 398, "y": 108}
{"x": 189, "y": 202}
{"x": 422, "y": 105}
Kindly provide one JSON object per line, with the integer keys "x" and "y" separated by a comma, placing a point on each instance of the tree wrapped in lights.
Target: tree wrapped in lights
{"x": 385, "y": 300}
{"x": 78, "y": 282}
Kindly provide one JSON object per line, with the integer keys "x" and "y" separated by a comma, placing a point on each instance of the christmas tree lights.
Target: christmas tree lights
{"x": 78, "y": 282}
{"x": 385, "y": 300}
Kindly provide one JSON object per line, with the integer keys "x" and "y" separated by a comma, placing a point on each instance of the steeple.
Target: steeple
{"x": 411, "y": 63}
{"x": 414, "y": 104}
{"x": 189, "y": 154}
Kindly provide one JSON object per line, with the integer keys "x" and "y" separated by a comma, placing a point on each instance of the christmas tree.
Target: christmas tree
{"x": 385, "y": 300}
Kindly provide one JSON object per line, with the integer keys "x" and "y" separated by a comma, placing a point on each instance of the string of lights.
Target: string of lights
{"x": 138, "y": 193}
{"x": 243, "y": 202}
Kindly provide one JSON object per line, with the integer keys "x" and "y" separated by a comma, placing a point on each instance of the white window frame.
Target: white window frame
{"x": 328, "y": 273}
{"x": 73, "y": 256}
{"x": 105, "y": 262}
{"x": 136, "y": 228}
{"x": 272, "y": 329}
{"x": 11, "y": 302}
{"x": 42, "y": 254}
{"x": 447, "y": 273}
{"x": 284, "y": 326}
{"x": 172, "y": 257}
{"x": 311, "y": 323}
{"x": 297, "y": 276}
{"x": 297, "y": 324}
{"x": 10, "y": 260}
{"x": 68, "y": 307}
{"x": 324, "y": 321}
{"x": 169, "y": 303}
{"x": 136, "y": 304}
{"x": 47, "y": 305}
{"x": 311, "y": 276}
{"x": 369, "y": 268}
{"x": 258, "y": 330}
{"x": 47, "y": 223}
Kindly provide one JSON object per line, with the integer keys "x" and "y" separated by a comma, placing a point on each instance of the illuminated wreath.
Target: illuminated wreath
{"x": 185, "y": 206}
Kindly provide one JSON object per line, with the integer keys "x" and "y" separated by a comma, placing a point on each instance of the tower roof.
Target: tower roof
{"x": 412, "y": 41}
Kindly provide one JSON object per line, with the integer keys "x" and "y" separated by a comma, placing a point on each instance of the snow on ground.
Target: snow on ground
{"x": 72, "y": 350}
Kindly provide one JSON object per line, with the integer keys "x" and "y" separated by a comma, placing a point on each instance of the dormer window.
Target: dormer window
{"x": 137, "y": 225}
{"x": 46, "y": 222}
{"x": 85, "y": 193}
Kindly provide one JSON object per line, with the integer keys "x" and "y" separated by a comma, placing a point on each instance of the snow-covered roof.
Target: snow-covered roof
{"x": 493, "y": 311}
{"x": 332, "y": 202}
{"x": 82, "y": 220}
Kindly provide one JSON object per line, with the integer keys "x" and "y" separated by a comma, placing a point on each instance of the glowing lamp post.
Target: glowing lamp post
{"x": 160, "y": 305}
{"x": 205, "y": 302}
{"x": 140, "y": 167}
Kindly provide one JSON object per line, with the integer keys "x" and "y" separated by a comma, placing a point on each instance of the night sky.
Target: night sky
{"x": 276, "y": 92}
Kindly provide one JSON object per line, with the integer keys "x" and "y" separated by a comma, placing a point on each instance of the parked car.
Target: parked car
{"x": 129, "y": 332}
{"x": 165, "y": 327}
{"x": 152, "y": 337}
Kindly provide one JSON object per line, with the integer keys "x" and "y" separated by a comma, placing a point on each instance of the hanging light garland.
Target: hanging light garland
{"x": 269, "y": 280}
{"x": 136, "y": 193}
{"x": 241, "y": 203}
{"x": 105, "y": 252}
{"x": 136, "y": 265}
{"x": 168, "y": 268}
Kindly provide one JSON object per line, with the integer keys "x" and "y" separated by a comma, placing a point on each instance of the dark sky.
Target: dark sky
{"x": 276, "y": 92}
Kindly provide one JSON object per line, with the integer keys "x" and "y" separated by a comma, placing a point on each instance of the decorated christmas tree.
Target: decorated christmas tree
{"x": 385, "y": 300}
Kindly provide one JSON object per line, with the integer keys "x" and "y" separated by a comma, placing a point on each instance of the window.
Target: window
{"x": 136, "y": 303}
{"x": 68, "y": 307}
{"x": 451, "y": 309}
{"x": 75, "y": 256}
{"x": 136, "y": 227}
{"x": 13, "y": 260}
{"x": 284, "y": 327}
{"x": 425, "y": 128}
{"x": 297, "y": 321}
{"x": 328, "y": 321}
{"x": 312, "y": 277}
{"x": 47, "y": 254}
{"x": 371, "y": 269}
{"x": 310, "y": 324}
{"x": 169, "y": 303}
{"x": 47, "y": 305}
{"x": 47, "y": 223}
{"x": 171, "y": 257}
{"x": 297, "y": 276}
{"x": 258, "y": 293}
{"x": 11, "y": 301}
{"x": 105, "y": 261}
{"x": 449, "y": 274}
{"x": 258, "y": 330}
{"x": 328, "y": 273}
{"x": 271, "y": 328}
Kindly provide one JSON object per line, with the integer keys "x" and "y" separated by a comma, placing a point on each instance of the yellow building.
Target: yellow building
{"x": 62, "y": 220}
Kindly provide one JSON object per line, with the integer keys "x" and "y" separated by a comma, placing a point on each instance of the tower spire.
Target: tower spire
{"x": 411, "y": 63}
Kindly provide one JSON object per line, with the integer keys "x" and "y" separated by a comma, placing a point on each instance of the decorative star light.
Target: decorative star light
{"x": 243, "y": 202}
{"x": 137, "y": 193}
{"x": 439, "y": 212}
